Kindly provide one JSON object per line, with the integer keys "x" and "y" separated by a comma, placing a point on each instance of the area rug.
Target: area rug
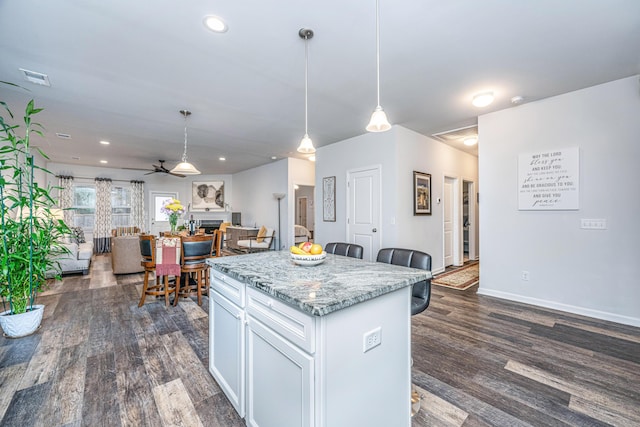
{"x": 461, "y": 278}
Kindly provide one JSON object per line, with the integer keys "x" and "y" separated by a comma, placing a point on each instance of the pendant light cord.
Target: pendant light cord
{"x": 306, "y": 83}
{"x": 378, "y": 48}
{"x": 184, "y": 154}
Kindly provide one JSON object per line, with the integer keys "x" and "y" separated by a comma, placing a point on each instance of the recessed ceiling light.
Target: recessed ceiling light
{"x": 273, "y": 157}
{"x": 222, "y": 159}
{"x": 105, "y": 142}
{"x": 215, "y": 24}
{"x": 75, "y": 158}
{"x": 104, "y": 162}
{"x": 470, "y": 141}
{"x": 482, "y": 99}
{"x": 312, "y": 158}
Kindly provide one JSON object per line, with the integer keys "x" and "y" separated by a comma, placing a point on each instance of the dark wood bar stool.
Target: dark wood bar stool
{"x": 148, "y": 253}
{"x": 195, "y": 250}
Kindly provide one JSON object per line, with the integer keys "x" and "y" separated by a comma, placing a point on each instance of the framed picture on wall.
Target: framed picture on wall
{"x": 329, "y": 199}
{"x": 207, "y": 196}
{"x": 421, "y": 193}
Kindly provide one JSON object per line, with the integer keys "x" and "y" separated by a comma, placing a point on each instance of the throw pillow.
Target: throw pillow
{"x": 261, "y": 234}
{"x": 78, "y": 235}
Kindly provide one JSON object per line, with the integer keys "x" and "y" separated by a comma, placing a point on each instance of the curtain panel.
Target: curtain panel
{"x": 137, "y": 204}
{"x": 66, "y": 198}
{"x": 102, "y": 224}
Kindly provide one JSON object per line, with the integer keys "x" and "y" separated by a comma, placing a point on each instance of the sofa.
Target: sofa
{"x": 78, "y": 260}
{"x": 125, "y": 254}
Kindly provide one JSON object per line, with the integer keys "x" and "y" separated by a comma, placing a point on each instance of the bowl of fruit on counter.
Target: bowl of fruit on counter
{"x": 307, "y": 254}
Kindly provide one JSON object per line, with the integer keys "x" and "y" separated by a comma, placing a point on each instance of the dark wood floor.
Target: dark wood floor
{"x": 99, "y": 360}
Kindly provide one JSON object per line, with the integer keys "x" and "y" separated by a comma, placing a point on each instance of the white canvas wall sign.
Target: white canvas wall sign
{"x": 549, "y": 180}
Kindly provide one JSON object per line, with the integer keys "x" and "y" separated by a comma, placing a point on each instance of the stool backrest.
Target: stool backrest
{"x": 347, "y": 249}
{"x": 147, "y": 247}
{"x": 195, "y": 249}
{"x": 421, "y": 291}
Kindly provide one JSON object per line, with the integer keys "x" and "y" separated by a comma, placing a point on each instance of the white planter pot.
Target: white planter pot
{"x": 20, "y": 325}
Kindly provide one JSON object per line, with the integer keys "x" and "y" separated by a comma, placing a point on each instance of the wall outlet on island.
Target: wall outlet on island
{"x": 525, "y": 275}
{"x": 372, "y": 339}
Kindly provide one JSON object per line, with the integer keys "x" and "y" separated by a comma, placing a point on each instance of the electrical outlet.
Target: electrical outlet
{"x": 372, "y": 339}
{"x": 525, "y": 275}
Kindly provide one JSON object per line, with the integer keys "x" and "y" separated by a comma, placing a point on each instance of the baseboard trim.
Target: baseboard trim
{"x": 597, "y": 314}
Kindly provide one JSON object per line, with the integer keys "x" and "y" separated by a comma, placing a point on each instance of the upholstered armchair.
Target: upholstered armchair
{"x": 262, "y": 242}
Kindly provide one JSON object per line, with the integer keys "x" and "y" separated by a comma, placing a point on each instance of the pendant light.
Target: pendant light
{"x": 184, "y": 167}
{"x": 378, "y": 122}
{"x": 306, "y": 145}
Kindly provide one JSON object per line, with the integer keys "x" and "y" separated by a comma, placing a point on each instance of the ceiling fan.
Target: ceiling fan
{"x": 159, "y": 169}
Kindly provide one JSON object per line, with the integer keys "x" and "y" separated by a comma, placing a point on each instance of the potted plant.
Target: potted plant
{"x": 29, "y": 227}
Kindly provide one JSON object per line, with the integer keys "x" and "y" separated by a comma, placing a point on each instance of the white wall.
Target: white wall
{"x": 415, "y": 152}
{"x": 399, "y": 151}
{"x": 369, "y": 149}
{"x": 253, "y": 195}
{"x": 591, "y": 272}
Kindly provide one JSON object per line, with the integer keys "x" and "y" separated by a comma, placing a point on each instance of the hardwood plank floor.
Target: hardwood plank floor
{"x": 99, "y": 360}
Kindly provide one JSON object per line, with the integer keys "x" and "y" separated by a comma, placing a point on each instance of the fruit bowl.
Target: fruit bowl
{"x": 308, "y": 260}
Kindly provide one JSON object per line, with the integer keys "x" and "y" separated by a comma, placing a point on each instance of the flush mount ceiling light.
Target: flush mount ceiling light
{"x": 184, "y": 167}
{"x": 483, "y": 99}
{"x": 378, "y": 122}
{"x": 215, "y": 24}
{"x": 471, "y": 141}
{"x": 306, "y": 145}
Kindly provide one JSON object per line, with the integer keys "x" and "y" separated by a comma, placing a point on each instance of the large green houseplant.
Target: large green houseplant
{"x": 30, "y": 230}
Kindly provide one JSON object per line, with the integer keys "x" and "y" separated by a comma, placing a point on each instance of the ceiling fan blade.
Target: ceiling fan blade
{"x": 176, "y": 174}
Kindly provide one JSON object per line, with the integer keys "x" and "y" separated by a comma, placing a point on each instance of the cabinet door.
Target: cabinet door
{"x": 279, "y": 380}
{"x": 226, "y": 349}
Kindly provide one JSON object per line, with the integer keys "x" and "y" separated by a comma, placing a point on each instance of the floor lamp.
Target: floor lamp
{"x": 279, "y": 196}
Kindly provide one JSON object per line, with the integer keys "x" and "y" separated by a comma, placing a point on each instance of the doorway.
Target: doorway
{"x": 469, "y": 220}
{"x": 158, "y": 221}
{"x": 363, "y": 210}
{"x": 304, "y": 208}
{"x": 452, "y": 222}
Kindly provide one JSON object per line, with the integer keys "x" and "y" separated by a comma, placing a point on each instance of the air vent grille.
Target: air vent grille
{"x": 35, "y": 77}
{"x": 459, "y": 134}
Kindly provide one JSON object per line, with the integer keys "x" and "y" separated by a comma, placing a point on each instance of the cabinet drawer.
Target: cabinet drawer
{"x": 230, "y": 288}
{"x": 292, "y": 324}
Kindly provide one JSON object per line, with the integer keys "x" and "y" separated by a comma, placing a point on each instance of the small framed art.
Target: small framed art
{"x": 421, "y": 193}
{"x": 329, "y": 199}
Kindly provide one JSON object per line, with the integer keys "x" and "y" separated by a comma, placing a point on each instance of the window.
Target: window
{"x": 84, "y": 203}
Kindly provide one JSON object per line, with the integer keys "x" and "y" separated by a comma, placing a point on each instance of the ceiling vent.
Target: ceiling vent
{"x": 63, "y": 135}
{"x": 35, "y": 77}
{"x": 459, "y": 134}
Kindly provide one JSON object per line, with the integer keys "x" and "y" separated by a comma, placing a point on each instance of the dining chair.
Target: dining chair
{"x": 148, "y": 253}
{"x": 195, "y": 250}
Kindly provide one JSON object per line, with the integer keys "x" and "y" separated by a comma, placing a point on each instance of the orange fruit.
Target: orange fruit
{"x": 316, "y": 249}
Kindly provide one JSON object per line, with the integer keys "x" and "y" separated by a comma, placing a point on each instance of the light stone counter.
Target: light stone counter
{"x": 338, "y": 283}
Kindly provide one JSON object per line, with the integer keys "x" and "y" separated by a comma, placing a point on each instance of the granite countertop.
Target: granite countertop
{"x": 337, "y": 283}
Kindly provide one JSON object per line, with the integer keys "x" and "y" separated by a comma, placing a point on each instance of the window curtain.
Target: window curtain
{"x": 66, "y": 198}
{"x": 137, "y": 204}
{"x": 102, "y": 224}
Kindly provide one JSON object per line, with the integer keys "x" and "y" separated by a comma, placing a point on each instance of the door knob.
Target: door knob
{"x": 375, "y": 230}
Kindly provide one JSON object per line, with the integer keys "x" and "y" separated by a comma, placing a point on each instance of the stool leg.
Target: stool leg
{"x": 177, "y": 290}
{"x": 144, "y": 288}
{"x": 199, "y": 286}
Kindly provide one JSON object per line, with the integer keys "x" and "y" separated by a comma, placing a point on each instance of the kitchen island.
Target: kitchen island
{"x": 325, "y": 345}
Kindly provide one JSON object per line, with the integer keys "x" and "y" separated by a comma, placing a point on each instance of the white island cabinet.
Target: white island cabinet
{"x": 327, "y": 345}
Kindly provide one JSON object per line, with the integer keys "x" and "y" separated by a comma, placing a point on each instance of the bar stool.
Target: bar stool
{"x": 420, "y": 292}
{"x": 148, "y": 253}
{"x": 195, "y": 250}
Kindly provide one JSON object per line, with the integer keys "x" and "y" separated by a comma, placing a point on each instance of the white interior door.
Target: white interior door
{"x": 363, "y": 220}
{"x": 447, "y": 201}
{"x": 158, "y": 221}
